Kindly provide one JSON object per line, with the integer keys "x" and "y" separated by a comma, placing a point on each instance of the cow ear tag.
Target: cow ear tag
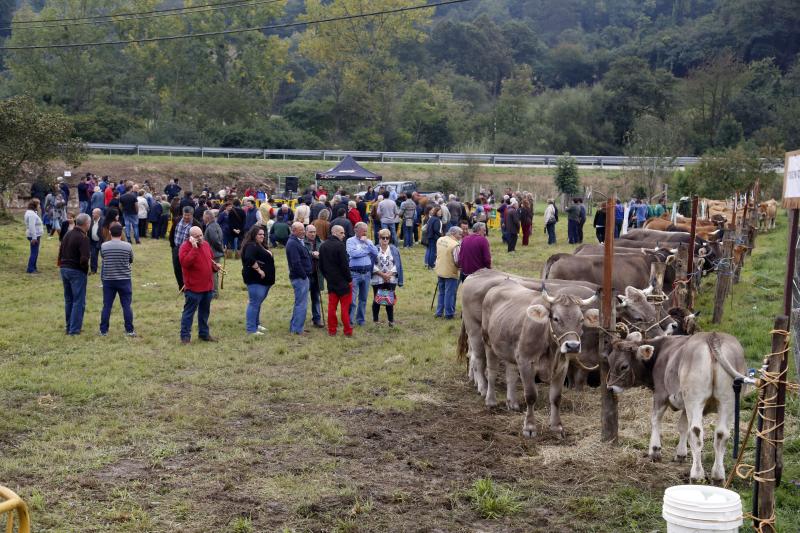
{"x": 645, "y": 352}
{"x": 538, "y": 313}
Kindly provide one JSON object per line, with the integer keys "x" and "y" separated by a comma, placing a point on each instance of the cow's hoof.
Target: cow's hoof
{"x": 490, "y": 402}
{"x": 528, "y": 433}
{"x": 679, "y": 458}
{"x": 655, "y": 455}
{"x": 559, "y": 432}
{"x": 512, "y": 406}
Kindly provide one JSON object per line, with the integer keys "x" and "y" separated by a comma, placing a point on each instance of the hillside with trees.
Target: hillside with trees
{"x": 526, "y": 76}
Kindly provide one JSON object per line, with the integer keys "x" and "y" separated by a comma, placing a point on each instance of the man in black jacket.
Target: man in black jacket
{"x": 334, "y": 264}
{"x": 73, "y": 260}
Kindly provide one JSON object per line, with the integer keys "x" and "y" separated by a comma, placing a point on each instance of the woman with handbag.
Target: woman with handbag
{"x": 387, "y": 274}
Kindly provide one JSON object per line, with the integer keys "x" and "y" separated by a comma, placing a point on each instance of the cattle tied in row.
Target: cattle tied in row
{"x": 692, "y": 374}
{"x": 633, "y": 305}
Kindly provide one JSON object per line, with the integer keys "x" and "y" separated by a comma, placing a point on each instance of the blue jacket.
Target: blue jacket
{"x": 397, "y": 262}
{"x": 299, "y": 259}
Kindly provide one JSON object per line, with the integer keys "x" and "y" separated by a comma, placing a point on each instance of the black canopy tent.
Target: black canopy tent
{"x": 348, "y": 169}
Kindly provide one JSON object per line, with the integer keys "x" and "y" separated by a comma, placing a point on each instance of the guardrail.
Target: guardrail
{"x": 423, "y": 157}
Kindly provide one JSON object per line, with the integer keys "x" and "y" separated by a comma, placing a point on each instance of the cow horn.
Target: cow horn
{"x": 547, "y": 297}
{"x": 671, "y": 259}
{"x": 648, "y": 291}
{"x": 589, "y": 301}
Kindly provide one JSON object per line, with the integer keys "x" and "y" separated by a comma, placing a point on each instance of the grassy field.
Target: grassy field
{"x": 376, "y": 433}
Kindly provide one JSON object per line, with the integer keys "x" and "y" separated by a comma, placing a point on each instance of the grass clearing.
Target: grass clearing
{"x": 378, "y": 432}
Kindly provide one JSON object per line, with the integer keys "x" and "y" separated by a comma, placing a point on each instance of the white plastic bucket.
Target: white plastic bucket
{"x": 698, "y": 508}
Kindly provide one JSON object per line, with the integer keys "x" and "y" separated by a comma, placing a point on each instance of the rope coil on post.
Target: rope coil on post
{"x": 744, "y": 470}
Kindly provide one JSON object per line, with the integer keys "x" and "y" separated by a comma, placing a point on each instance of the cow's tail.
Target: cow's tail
{"x": 714, "y": 345}
{"x": 461, "y": 347}
{"x": 549, "y": 264}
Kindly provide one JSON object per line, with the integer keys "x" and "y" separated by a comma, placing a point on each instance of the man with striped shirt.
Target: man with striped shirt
{"x": 116, "y": 276}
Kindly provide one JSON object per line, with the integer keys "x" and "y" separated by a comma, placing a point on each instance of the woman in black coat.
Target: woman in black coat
{"x": 258, "y": 273}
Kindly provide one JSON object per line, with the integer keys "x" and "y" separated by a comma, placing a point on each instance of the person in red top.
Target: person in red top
{"x": 352, "y": 213}
{"x": 197, "y": 266}
{"x": 108, "y": 194}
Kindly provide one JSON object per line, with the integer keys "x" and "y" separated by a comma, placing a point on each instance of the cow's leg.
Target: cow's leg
{"x": 683, "y": 436}
{"x": 477, "y": 363}
{"x": 491, "y": 376}
{"x": 512, "y": 377}
{"x": 721, "y": 435}
{"x": 528, "y": 376}
{"x": 659, "y": 406}
{"x": 694, "y": 415}
{"x": 556, "y": 389}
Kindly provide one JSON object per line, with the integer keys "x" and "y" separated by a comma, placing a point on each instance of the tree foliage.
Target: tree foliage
{"x": 566, "y": 176}
{"x": 548, "y": 76}
{"x": 30, "y": 138}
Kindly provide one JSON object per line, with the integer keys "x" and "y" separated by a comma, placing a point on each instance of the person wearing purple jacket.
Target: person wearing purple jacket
{"x": 474, "y": 253}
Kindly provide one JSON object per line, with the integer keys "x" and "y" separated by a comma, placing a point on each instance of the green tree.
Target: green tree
{"x": 721, "y": 173}
{"x": 566, "y": 176}
{"x": 652, "y": 146}
{"x": 30, "y": 138}
{"x": 513, "y": 122}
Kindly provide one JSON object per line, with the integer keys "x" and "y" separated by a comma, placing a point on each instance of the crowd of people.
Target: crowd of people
{"x": 327, "y": 245}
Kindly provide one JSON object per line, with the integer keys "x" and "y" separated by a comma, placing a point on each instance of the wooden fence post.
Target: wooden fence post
{"x": 724, "y": 273}
{"x": 767, "y": 459}
{"x": 739, "y": 253}
{"x": 609, "y": 416}
{"x": 680, "y": 294}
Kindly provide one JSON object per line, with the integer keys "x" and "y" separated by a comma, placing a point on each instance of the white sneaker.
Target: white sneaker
{"x": 261, "y": 328}
{"x": 261, "y": 333}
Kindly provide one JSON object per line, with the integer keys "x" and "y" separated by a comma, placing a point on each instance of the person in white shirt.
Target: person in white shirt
{"x": 34, "y": 229}
{"x": 143, "y": 208}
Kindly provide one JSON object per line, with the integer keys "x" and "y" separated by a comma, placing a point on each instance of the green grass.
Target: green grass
{"x": 373, "y": 433}
{"x": 492, "y": 500}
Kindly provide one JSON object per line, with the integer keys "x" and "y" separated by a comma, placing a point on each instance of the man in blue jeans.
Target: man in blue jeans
{"x": 116, "y": 277}
{"x": 129, "y": 203}
{"x": 73, "y": 258}
{"x": 362, "y": 253}
{"x": 197, "y": 266}
{"x": 299, "y": 259}
{"x": 447, "y": 248}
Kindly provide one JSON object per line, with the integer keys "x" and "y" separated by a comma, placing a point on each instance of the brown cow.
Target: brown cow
{"x": 693, "y": 374}
{"x": 767, "y": 212}
{"x": 536, "y": 335}
{"x": 629, "y": 270}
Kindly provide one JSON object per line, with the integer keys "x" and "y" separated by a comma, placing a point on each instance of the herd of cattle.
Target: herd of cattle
{"x": 547, "y": 330}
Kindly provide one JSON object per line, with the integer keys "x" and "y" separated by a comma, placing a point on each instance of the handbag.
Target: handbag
{"x": 385, "y": 297}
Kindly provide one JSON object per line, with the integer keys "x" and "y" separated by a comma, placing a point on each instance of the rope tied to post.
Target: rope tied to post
{"x": 747, "y": 471}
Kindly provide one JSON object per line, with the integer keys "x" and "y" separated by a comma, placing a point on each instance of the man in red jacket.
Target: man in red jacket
{"x": 197, "y": 266}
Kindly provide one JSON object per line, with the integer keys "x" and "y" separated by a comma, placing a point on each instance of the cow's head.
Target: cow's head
{"x": 566, "y": 319}
{"x": 642, "y": 314}
{"x": 685, "y": 320}
{"x": 627, "y": 360}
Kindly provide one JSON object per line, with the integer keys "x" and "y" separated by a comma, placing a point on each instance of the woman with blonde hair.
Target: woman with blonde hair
{"x": 387, "y": 274}
{"x": 302, "y": 213}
